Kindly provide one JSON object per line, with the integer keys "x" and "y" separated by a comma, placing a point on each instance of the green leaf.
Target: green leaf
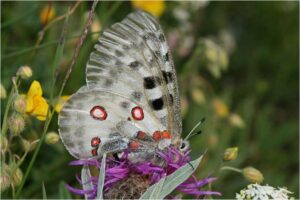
{"x": 44, "y": 191}
{"x": 63, "y": 192}
{"x": 85, "y": 178}
{"x": 101, "y": 178}
{"x": 166, "y": 185}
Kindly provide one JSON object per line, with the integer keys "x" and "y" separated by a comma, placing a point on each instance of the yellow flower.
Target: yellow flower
{"x": 221, "y": 108}
{"x": 47, "y": 13}
{"x": 60, "y": 103}
{"x": 36, "y": 105}
{"x": 156, "y": 8}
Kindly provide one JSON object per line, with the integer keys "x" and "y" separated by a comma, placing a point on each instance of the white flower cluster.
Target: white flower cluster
{"x": 263, "y": 192}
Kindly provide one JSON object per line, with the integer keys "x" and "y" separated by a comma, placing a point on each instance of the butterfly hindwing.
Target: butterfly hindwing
{"x": 95, "y": 116}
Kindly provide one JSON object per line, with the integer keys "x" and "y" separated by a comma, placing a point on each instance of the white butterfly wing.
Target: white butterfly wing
{"x": 131, "y": 68}
{"x": 78, "y": 126}
{"x": 132, "y": 57}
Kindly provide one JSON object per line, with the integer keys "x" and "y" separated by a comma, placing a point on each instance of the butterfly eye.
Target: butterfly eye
{"x": 184, "y": 146}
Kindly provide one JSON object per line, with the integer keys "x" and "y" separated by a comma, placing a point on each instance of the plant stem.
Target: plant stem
{"x": 231, "y": 169}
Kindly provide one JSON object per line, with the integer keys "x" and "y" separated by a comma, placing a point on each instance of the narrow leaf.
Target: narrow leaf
{"x": 86, "y": 179}
{"x": 101, "y": 178}
{"x": 44, "y": 191}
{"x": 154, "y": 191}
{"x": 169, "y": 183}
{"x": 178, "y": 177}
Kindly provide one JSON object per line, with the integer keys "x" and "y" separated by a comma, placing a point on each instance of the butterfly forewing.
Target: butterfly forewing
{"x": 131, "y": 94}
{"x": 136, "y": 48}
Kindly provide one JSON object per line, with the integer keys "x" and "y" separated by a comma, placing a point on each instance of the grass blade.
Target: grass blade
{"x": 85, "y": 178}
{"x": 44, "y": 191}
{"x": 101, "y": 178}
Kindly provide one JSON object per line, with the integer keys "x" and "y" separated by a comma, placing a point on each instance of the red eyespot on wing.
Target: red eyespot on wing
{"x": 166, "y": 135}
{"x": 133, "y": 145}
{"x": 141, "y": 135}
{"x": 98, "y": 112}
{"x": 156, "y": 136}
{"x": 95, "y": 141}
{"x": 137, "y": 113}
{"x": 94, "y": 152}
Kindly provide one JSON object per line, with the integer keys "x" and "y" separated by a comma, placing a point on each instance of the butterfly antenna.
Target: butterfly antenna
{"x": 193, "y": 129}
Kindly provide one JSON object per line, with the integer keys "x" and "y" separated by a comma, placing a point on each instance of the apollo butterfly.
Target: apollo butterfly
{"x": 131, "y": 100}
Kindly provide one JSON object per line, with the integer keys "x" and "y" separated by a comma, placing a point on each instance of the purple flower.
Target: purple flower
{"x": 146, "y": 172}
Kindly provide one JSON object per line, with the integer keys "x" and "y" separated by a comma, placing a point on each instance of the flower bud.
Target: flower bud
{"x": 236, "y": 121}
{"x": 52, "y": 138}
{"x": 20, "y": 104}
{"x": 2, "y": 92}
{"x": 4, "y": 144}
{"x": 230, "y": 154}
{"x": 4, "y": 182}
{"x": 25, "y": 72}
{"x": 17, "y": 177}
{"x": 26, "y": 145}
{"x": 16, "y": 124}
{"x": 198, "y": 96}
{"x": 221, "y": 108}
{"x": 253, "y": 175}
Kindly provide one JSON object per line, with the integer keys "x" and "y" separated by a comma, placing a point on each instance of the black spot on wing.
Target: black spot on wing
{"x": 161, "y": 37}
{"x": 124, "y": 104}
{"x": 157, "y": 104}
{"x": 167, "y": 76}
{"x": 134, "y": 65}
{"x": 166, "y": 57}
{"x": 149, "y": 82}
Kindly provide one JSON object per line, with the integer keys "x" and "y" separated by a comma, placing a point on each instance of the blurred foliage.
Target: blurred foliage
{"x": 237, "y": 65}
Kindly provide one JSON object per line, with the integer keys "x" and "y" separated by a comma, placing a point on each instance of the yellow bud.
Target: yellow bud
{"x": 24, "y": 72}
{"x": 17, "y": 177}
{"x": 20, "y": 104}
{"x": 221, "y": 108}
{"x": 16, "y": 124}
{"x": 253, "y": 175}
{"x": 4, "y": 182}
{"x": 198, "y": 96}
{"x": 230, "y": 154}
{"x": 52, "y": 138}
{"x": 2, "y": 92}
{"x": 236, "y": 121}
{"x": 47, "y": 14}
{"x": 4, "y": 144}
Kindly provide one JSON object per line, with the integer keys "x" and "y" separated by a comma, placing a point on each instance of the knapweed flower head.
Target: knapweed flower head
{"x": 256, "y": 191}
{"x": 127, "y": 180}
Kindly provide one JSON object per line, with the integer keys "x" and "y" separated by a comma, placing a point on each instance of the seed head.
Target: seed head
{"x": 4, "y": 182}
{"x": 16, "y": 124}
{"x": 24, "y": 72}
{"x": 52, "y": 138}
{"x": 17, "y": 177}
{"x": 20, "y": 104}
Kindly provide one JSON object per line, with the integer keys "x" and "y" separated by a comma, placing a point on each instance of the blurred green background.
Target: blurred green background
{"x": 237, "y": 64}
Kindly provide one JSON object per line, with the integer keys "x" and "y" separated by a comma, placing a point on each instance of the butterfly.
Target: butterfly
{"x": 131, "y": 99}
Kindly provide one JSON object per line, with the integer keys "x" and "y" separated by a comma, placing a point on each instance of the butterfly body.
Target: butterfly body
{"x": 131, "y": 99}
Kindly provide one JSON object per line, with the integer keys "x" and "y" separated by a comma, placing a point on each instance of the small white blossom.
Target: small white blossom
{"x": 263, "y": 192}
